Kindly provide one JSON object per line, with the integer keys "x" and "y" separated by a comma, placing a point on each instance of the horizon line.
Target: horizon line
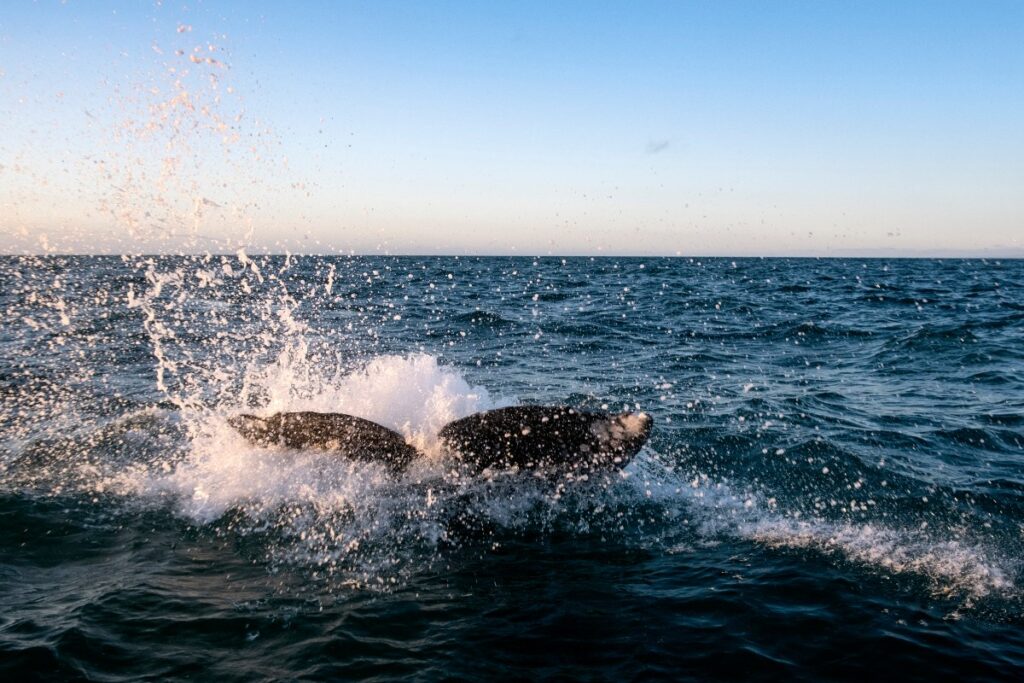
{"x": 1013, "y": 255}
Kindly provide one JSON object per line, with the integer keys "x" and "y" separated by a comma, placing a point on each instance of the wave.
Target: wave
{"x": 956, "y": 568}
{"x": 357, "y": 524}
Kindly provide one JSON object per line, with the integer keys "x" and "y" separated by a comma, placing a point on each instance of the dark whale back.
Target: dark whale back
{"x": 349, "y": 436}
{"x": 547, "y": 437}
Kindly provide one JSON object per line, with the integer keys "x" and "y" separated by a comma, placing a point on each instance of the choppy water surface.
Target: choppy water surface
{"x": 834, "y": 488}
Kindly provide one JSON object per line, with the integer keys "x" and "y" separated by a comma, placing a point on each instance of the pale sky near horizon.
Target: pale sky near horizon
{"x": 694, "y": 128}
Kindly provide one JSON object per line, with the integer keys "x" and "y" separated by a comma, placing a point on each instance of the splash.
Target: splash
{"x": 413, "y": 395}
{"x": 358, "y": 524}
{"x": 163, "y": 149}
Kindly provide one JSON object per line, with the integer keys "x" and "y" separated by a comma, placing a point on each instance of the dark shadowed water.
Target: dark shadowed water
{"x": 834, "y": 488}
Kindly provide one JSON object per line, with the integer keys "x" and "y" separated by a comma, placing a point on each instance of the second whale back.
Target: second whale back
{"x": 547, "y": 437}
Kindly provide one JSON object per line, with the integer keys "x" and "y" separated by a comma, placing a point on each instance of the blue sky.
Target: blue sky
{"x": 726, "y": 128}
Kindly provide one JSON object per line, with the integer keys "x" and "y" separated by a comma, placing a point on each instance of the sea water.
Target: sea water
{"x": 834, "y": 487}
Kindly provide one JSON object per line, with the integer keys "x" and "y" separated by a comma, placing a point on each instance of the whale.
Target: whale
{"x": 547, "y": 437}
{"x": 351, "y": 437}
{"x": 529, "y": 437}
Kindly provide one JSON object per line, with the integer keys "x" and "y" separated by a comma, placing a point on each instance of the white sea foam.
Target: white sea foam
{"x": 411, "y": 394}
{"x": 954, "y": 567}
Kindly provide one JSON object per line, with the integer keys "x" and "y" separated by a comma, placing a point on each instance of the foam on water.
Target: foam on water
{"x": 955, "y": 567}
{"x": 313, "y": 508}
{"x": 221, "y": 470}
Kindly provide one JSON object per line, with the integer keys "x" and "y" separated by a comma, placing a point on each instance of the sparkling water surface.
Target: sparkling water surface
{"x": 834, "y": 487}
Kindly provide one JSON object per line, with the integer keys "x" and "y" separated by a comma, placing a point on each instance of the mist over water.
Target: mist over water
{"x": 834, "y": 470}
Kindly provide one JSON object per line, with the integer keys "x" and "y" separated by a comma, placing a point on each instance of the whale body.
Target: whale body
{"x": 526, "y": 437}
{"x": 547, "y": 437}
{"x": 349, "y": 436}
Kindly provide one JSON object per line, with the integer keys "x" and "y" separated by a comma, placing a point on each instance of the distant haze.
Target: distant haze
{"x": 790, "y": 128}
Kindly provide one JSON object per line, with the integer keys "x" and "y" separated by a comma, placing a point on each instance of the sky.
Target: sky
{"x": 675, "y": 128}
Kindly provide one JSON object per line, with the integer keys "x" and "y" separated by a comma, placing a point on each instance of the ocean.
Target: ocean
{"x": 834, "y": 487}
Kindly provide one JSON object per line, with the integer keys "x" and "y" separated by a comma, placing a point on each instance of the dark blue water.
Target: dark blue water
{"x": 834, "y": 488}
